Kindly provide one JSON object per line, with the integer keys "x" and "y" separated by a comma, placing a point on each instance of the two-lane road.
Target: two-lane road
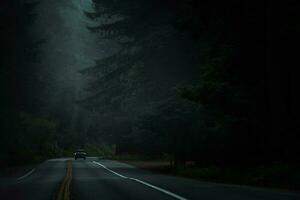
{"x": 112, "y": 180}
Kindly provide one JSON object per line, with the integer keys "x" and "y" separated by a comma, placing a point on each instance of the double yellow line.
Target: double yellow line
{"x": 64, "y": 190}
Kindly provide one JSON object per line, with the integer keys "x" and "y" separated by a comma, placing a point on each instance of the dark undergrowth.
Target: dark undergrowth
{"x": 275, "y": 176}
{"x": 281, "y": 176}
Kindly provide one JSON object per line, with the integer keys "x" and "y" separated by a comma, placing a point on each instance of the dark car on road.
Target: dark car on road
{"x": 80, "y": 153}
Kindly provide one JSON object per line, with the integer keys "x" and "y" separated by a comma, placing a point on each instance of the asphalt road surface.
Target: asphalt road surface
{"x": 111, "y": 180}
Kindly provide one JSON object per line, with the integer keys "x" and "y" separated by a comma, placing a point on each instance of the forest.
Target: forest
{"x": 213, "y": 82}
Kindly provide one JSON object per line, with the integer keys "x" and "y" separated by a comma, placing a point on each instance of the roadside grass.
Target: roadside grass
{"x": 275, "y": 176}
{"x": 281, "y": 176}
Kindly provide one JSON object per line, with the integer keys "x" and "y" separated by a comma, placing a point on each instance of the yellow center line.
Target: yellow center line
{"x": 64, "y": 190}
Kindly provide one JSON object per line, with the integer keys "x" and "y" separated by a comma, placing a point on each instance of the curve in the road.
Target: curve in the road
{"x": 176, "y": 196}
{"x": 26, "y": 175}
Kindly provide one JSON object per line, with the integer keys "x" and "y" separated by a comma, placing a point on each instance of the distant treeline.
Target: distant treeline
{"x": 26, "y": 135}
{"x": 203, "y": 80}
{"x": 20, "y": 136}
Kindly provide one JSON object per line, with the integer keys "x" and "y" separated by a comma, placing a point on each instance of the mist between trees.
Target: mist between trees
{"x": 205, "y": 81}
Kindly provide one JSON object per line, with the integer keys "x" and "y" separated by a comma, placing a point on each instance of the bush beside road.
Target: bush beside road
{"x": 279, "y": 176}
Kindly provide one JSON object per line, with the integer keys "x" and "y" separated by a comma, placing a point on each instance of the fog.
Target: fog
{"x": 187, "y": 81}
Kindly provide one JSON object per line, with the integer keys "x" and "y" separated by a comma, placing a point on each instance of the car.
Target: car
{"x": 80, "y": 153}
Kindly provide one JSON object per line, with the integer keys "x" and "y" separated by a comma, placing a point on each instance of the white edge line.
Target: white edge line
{"x": 159, "y": 189}
{"x": 143, "y": 182}
{"x": 120, "y": 175}
{"x": 26, "y": 175}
